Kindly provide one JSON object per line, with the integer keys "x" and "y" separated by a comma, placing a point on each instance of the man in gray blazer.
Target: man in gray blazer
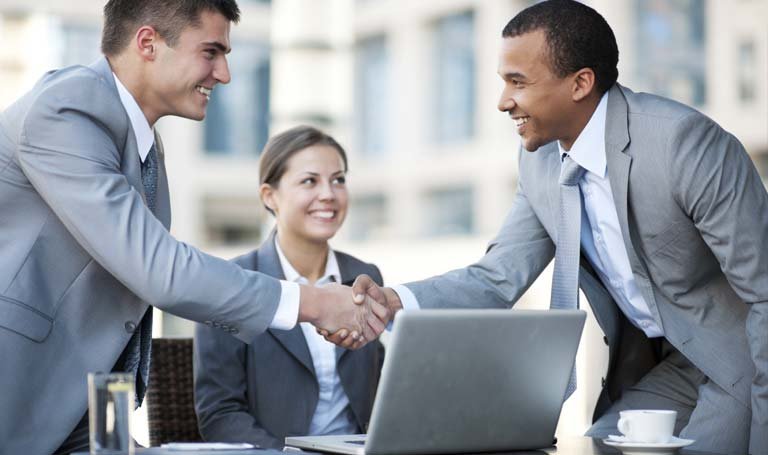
{"x": 84, "y": 219}
{"x": 674, "y": 225}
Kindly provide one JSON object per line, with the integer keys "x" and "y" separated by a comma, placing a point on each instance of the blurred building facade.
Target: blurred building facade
{"x": 410, "y": 89}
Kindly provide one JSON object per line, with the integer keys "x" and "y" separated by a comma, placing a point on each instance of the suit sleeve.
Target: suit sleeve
{"x": 221, "y": 402}
{"x": 721, "y": 191}
{"x": 71, "y": 151}
{"x": 513, "y": 260}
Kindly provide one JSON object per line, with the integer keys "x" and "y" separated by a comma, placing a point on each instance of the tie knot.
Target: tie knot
{"x": 570, "y": 172}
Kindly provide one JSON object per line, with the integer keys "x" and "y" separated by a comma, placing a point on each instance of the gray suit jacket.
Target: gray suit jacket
{"x": 82, "y": 256}
{"x": 263, "y": 392}
{"x": 694, "y": 217}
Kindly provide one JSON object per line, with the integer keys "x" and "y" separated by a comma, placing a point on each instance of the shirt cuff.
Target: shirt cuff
{"x": 407, "y": 299}
{"x": 288, "y": 309}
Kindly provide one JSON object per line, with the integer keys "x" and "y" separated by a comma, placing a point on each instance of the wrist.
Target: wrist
{"x": 309, "y": 304}
{"x": 394, "y": 304}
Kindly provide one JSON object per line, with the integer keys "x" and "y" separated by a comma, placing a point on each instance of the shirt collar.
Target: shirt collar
{"x": 588, "y": 151}
{"x": 332, "y": 273}
{"x": 144, "y": 135}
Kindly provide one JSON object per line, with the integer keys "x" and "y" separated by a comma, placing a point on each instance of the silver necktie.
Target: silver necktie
{"x": 565, "y": 280}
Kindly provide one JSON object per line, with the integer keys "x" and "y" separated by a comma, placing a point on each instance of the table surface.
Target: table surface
{"x": 565, "y": 446}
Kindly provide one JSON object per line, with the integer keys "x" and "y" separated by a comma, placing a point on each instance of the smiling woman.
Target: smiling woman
{"x": 290, "y": 383}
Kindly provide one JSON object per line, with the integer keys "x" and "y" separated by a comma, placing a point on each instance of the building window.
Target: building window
{"x": 454, "y": 78}
{"x": 372, "y": 95}
{"x": 237, "y": 118}
{"x": 747, "y": 68}
{"x": 80, "y": 44}
{"x": 367, "y": 217}
{"x": 232, "y": 220}
{"x": 449, "y": 211}
{"x": 672, "y": 49}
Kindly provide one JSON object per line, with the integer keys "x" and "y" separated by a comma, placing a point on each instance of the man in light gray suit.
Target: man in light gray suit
{"x": 673, "y": 227}
{"x": 85, "y": 213}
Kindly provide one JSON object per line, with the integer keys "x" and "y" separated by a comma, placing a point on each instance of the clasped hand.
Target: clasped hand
{"x": 353, "y": 327}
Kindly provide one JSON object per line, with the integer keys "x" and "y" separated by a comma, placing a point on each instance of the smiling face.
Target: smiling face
{"x": 184, "y": 76}
{"x": 540, "y": 103}
{"x": 310, "y": 199}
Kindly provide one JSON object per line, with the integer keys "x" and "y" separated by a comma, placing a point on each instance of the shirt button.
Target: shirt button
{"x": 130, "y": 327}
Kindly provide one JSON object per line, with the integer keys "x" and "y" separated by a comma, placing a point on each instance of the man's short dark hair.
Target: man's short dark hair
{"x": 577, "y": 37}
{"x": 168, "y": 17}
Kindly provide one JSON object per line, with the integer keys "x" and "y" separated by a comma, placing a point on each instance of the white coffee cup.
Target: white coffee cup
{"x": 647, "y": 425}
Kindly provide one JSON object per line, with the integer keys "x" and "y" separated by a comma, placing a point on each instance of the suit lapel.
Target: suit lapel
{"x": 347, "y": 278}
{"x": 131, "y": 162}
{"x": 619, "y": 165}
{"x": 292, "y": 340}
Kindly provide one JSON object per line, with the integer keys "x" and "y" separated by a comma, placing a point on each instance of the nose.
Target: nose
{"x": 221, "y": 71}
{"x": 506, "y": 102}
{"x": 327, "y": 192}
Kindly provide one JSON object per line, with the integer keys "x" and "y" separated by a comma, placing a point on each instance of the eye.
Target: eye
{"x": 341, "y": 180}
{"x": 308, "y": 181}
{"x": 209, "y": 54}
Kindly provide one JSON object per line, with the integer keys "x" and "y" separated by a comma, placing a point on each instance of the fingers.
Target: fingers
{"x": 364, "y": 285}
{"x": 379, "y": 310}
{"x": 343, "y": 338}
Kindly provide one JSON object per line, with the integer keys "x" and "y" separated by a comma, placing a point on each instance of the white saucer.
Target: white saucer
{"x": 643, "y": 448}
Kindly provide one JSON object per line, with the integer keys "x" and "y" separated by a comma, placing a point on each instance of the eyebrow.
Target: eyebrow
{"x": 315, "y": 174}
{"x": 513, "y": 75}
{"x": 218, "y": 46}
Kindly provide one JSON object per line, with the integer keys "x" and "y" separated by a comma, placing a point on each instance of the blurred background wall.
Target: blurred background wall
{"x": 410, "y": 89}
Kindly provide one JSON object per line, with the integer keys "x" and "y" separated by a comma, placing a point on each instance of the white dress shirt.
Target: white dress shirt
{"x": 288, "y": 309}
{"x": 601, "y": 237}
{"x": 332, "y": 415}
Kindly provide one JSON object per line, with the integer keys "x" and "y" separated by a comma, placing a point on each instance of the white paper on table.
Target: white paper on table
{"x": 193, "y": 446}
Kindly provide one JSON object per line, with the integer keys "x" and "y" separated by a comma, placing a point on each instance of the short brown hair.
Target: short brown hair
{"x": 280, "y": 149}
{"x": 168, "y": 17}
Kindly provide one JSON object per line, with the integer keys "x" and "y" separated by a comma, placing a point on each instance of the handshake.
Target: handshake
{"x": 349, "y": 317}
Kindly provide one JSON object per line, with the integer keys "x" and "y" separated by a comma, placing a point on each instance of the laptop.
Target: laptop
{"x": 458, "y": 381}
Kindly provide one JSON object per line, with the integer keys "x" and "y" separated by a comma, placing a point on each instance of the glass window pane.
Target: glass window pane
{"x": 81, "y": 44}
{"x": 371, "y": 100}
{"x": 367, "y": 217}
{"x": 237, "y": 118}
{"x": 449, "y": 211}
{"x": 672, "y": 49}
{"x": 454, "y": 78}
{"x": 747, "y": 68}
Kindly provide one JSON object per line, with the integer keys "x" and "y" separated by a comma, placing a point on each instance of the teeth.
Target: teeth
{"x": 324, "y": 214}
{"x": 521, "y": 121}
{"x": 204, "y": 91}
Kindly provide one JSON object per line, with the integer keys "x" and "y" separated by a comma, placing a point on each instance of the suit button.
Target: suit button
{"x": 208, "y": 323}
{"x": 602, "y": 382}
{"x": 234, "y": 331}
{"x": 605, "y": 340}
{"x": 130, "y": 327}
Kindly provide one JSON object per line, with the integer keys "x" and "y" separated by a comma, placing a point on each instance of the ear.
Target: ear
{"x": 583, "y": 84}
{"x": 147, "y": 40}
{"x": 267, "y": 194}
